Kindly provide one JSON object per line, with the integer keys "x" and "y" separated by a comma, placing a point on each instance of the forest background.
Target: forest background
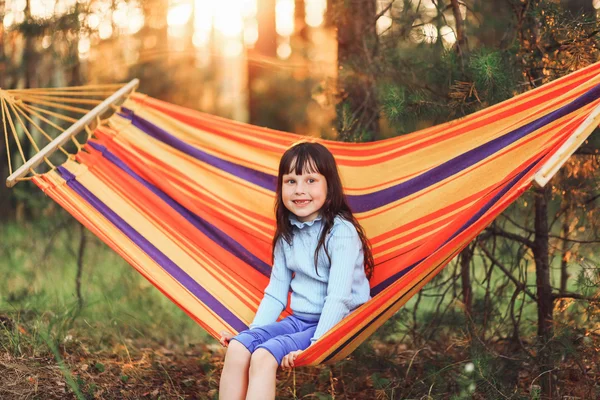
{"x": 514, "y": 316}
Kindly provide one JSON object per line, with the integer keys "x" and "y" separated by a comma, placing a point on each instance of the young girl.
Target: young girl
{"x": 319, "y": 251}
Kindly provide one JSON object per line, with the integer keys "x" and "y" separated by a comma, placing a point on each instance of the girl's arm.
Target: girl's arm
{"x": 344, "y": 249}
{"x": 276, "y": 292}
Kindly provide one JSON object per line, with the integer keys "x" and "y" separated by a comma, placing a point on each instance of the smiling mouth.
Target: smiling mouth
{"x": 301, "y": 202}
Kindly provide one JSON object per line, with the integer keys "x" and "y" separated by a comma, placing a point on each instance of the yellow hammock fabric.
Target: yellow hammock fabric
{"x": 187, "y": 198}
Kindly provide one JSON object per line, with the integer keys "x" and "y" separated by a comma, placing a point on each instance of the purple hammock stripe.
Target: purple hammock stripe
{"x": 379, "y": 288}
{"x": 371, "y": 201}
{"x": 493, "y": 201}
{"x": 168, "y": 265}
{"x": 465, "y": 160}
{"x": 261, "y": 179}
{"x": 384, "y": 284}
{"x": 215, "y": 234}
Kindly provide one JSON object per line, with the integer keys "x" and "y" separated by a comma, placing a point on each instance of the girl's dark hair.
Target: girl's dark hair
{"x": 313, "y": 157}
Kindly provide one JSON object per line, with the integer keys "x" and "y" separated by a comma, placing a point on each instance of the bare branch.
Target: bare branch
{"x": 384, "y": 10}
{"x": 574, "y": 240}
{"x": 514, "y": 236}
{"x": 517, "y": 283}
{"x": 566, "y": 239}
{"x": 575, "y": 296}
{"x": 585, "y": 203}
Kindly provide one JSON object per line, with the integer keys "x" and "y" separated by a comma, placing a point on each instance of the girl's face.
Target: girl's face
{"x": 304, "y": 195}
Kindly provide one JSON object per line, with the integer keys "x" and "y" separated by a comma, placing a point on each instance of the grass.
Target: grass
{"x": 52, "y": 348}
{"x": 38, "y": 263}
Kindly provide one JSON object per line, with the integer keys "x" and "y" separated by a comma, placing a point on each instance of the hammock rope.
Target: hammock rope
{"x": 32, "y": 113}
{"x": 6, "y": 136}
{"x": 186, "y": 198}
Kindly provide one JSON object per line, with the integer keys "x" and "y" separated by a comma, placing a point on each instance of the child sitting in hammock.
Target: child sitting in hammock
{"x": 322, "y": 253}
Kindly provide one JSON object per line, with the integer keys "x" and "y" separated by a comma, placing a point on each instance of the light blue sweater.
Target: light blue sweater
{"x": 340, "y": 287}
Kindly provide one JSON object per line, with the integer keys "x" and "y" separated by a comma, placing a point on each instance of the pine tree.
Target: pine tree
{"x": 501, "y": 49}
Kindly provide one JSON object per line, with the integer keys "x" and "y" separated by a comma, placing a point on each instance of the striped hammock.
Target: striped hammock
{"x": 187, "y": 198}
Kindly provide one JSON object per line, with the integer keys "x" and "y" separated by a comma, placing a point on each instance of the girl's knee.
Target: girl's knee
{"x": 262, "y": 358}
{"x": 237, "y": 353}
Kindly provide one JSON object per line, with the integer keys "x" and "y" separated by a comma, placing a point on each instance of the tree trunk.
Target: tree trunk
{"x": 544, "y": 292}
{"x": 530, "y": 37}
{"x": 29, "y": 53}
{"x": 540, "y": 252}
{"x": 80, "y": 257}
{"x": 329, "y": 19}
{"x": 299, "y": 10}
{"x": 358, "y": 110}
{"x": 300, "y": 19}
{"x": 465, "y": 257}
{"x": 564, "y": 273}
{"x": 6, "y": 206}
{"x": 3, "y": 66}
{"x": 154, "y": 36}
{"x": 462, "y": 47}
{"x": 29, "y": 62}
{"x": 266, "y": 45}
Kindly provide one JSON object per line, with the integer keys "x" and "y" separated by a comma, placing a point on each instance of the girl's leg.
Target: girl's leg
{"x": 267, "y": 357}
{"x": 234, "y": 377}
{"x": 263, "y": 374}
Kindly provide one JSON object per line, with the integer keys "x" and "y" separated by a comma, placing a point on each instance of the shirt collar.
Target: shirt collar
{"x": 300, "y": 224}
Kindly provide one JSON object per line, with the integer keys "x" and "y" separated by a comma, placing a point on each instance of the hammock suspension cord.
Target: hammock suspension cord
{"x": 33, "y": 112}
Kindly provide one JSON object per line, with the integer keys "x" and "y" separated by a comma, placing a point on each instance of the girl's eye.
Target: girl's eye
{"x": 311, "y": 181}
{"x": 290, "y": 181}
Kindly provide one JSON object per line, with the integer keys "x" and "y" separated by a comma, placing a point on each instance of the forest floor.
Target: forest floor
{"x": 145, "y": 370}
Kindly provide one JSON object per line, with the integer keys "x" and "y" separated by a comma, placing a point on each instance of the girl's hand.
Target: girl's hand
{"x": 225, "y": 338}
{"x": 288, "y": 361}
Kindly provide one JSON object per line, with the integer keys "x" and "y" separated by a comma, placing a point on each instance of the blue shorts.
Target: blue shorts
{"x": 279, "y": 338}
